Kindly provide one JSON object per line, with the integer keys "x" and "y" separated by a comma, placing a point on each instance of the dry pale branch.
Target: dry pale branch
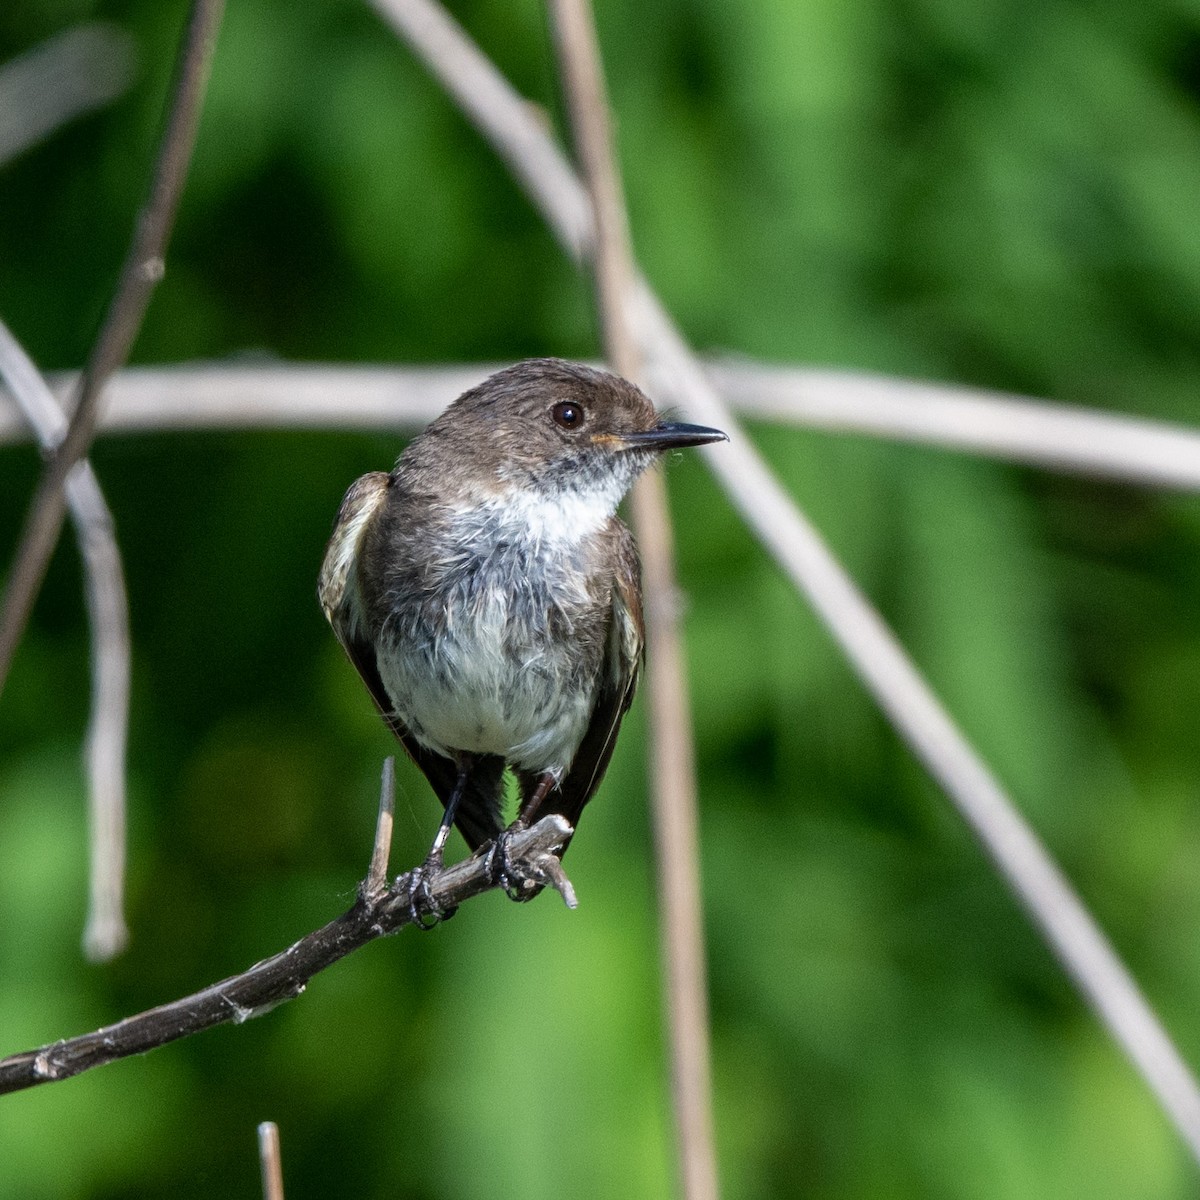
{"x": 74, "y": 72}
{"x": 270, "y": 1160}
{"x": 276, "y": 396}
{"x": 105, "y": 933}
{"x": 378, "y": 910}
{"x": 870, "y": 646}
{"x": 142, "y": 270}
{"x": 672, "y": 752}
{"x": 1059, "y": 437}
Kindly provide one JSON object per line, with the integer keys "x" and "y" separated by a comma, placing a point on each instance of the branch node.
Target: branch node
{"x": 241, "y": 1013}
{"x": 153, "y": 269}
{"x": 551, "y": 868}
{"x": 44, "y": 1066}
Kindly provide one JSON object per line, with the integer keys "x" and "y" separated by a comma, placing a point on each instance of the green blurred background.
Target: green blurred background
{"x": 1000, "y": 194}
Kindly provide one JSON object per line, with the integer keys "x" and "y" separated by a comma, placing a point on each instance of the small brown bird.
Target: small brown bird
{"x": 491, "y": 599}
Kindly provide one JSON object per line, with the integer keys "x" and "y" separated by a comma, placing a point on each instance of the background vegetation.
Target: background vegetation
{"x": 996, "y": 194}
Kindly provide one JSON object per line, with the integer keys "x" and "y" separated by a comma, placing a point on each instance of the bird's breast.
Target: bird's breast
{"x": 494, "y": 646}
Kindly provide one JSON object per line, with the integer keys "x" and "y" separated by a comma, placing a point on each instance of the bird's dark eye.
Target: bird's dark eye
{"x": 568, "y": 415}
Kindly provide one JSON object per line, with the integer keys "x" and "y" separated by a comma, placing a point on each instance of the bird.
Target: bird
{"x": 490, "y": 597}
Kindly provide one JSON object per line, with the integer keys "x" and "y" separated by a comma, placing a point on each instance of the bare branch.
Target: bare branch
{"x": 587, "y": 104}
{"x": 296, "y": 396}
{"x": 142, "y": 270}
{"x": 677, "y": 849}
{"x": 74, "y": 72}
{"x": 105, "y": 934}
{"x": 284, "y": 976}
{"x": 874, "y": 652}
{"x": 672, "y": 754}
{"x": 376, "y": 880}
{"x": 270, "y": 1158}
{"x": 1057, "y": 437}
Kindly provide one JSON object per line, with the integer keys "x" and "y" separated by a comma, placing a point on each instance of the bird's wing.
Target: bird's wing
{"x": 479, "y": 816}
{"x": 624, "y": 645}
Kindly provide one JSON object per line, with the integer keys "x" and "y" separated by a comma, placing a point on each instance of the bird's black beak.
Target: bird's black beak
{"x": 672, "y": 435}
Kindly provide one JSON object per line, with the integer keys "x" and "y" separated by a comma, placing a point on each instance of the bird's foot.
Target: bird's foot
{"x": 423, "y": 910}
{"x": 507, "y": 872}
{"x": 522, "y": 879}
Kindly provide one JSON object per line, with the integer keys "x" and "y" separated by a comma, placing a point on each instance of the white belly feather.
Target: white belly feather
{"x": 471, "y": 701}
{"x": 497, "y": 680}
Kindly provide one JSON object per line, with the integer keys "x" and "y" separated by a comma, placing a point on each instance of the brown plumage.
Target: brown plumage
{"x": 490, "y": 598}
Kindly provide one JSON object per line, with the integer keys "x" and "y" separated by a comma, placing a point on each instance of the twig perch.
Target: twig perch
{"x": 379, "y": 910}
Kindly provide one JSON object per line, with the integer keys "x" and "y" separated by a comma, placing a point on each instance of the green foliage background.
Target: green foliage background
{"x": 998, "y": 194}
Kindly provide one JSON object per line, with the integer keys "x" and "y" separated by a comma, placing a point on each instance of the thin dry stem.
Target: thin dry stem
{"x": 1056, "y": 437}
{"x": 870, "y": 646}
{"x": 376, "y": 879}
{"x": 587, "y": 104}
{"x": 72, "y": 73}
{"x": 677, "y": 845}
{"x": 270, "y": 1159}
{"x": 672, "y": 756}
{"x": 105, "y": 931}
{"x": 142, "y": 270}
{"x": 1041, "y": 433}
{"x": 284, "y": 976}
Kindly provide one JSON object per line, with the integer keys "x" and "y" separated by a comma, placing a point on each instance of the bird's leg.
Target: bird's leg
{"x": 504, "y": 873}
{"x": 435, "y": 858}
{"x": 545, "y": 786}
{"x": 425, "y": 913}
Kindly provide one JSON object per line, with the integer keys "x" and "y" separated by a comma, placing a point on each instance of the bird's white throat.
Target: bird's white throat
{"x": 563, "y": 518}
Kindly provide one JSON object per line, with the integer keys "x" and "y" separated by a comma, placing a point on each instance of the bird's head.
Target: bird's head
{"x": 554, "y": 426}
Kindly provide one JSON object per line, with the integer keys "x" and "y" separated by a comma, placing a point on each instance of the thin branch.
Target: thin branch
{"x": 882, "y": 664}
{"x": 1058, "y": 437}
{"x": 142, "y": 270}
{"x": 376, "y": 880}
{"x": 105, "y": 933}
{"x": 677, "y": 849}
{"x": 587, "y": 103}
{"x": 270, "y": 1159}
{"x": 293, "y": 396}
{"x": 74, "y": 72}
{"x": 672, "y": 754}
{"x": 284, "y": 976}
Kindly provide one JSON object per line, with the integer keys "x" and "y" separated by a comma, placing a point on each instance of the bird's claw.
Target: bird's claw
{"x": 423, "y": 910}
{"x": 505, "y": 872}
